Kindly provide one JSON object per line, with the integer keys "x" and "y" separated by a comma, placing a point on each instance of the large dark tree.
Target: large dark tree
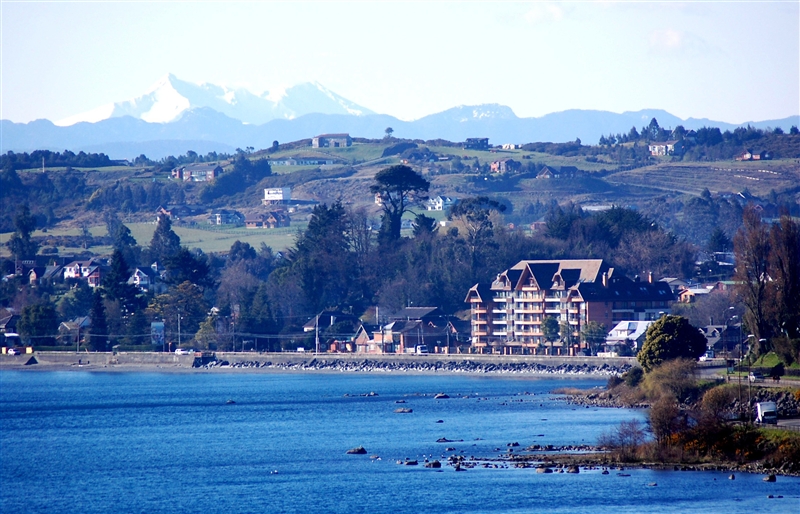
{"x": 116, "y": 283}
{"x": 185, "y": 266}
{"x": 669, "y": 338}
{"x": 98, "y": 328}
{"x": 322, "y": 263}
{"x": 397, "y": 186}
{"x": 20, "y": 244}
{"x": 38, "y": 324}
{"x": 165, "y": 243}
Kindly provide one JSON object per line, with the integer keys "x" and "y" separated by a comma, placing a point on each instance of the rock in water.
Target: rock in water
{"x": 769, "y": 478}
{"x": 404, "y": 411}
{"x": 573, "y": 469}
{"x": 440, "y": 396}
{"x": 434, "y": 464}
{"x": 358, "y": 450}
{"x": 732, "y": 477}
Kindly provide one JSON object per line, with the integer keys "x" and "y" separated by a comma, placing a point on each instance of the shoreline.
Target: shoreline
{"x": 534, "y": 366}
{"x": 561, "y": 461}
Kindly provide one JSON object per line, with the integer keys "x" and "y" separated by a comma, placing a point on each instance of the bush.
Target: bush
{"x": 633, "y": 377}
{"x": 673, "y": 380}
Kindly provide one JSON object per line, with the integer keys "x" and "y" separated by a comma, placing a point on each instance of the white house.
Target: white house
{"x": 79, "y": 269}
{"x": 277, "y": 195}
{"x": 627, "y": 333}
{"x": 439, "y": 203}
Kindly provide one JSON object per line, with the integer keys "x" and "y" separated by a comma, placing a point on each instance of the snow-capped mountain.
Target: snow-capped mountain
{"x": 169, "y": 98}
{"x": 470, "y": 113}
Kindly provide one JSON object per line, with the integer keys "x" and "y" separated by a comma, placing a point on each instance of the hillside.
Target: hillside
{"x": 68, "y": 198}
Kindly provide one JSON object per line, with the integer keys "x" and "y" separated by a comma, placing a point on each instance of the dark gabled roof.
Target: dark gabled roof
{"x": 328, "y": 318}
{"x": 543, "y": 273}
{"x": 483, "y": 291}
{"x": 334, "y": 135}
{"x": 624, "y": 289}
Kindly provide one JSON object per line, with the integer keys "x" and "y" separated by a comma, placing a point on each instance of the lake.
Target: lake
{"x": 159, "y": 442}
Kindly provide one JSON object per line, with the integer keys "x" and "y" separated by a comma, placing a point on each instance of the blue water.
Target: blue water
{"x": 146, "y": 442}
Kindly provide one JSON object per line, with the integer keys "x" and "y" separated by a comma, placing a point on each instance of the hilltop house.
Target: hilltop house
{"x": 332, "y": 141}
{"x": 197, "y": 172}
{"x": 277, "y": 196}
{"x": 504, "y": 165}
{"x": 476, "y": 143}
{"x": 666, "y": 148}
{"x": 507, "y": 314}
{"x": 549, "y": 172}
{"x": 749, "y": 155}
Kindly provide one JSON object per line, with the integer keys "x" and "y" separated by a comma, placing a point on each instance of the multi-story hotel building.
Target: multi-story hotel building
{"x": 507, "y": 314}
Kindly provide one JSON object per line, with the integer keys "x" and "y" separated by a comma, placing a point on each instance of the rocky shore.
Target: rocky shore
{"x": 422, "y": 366}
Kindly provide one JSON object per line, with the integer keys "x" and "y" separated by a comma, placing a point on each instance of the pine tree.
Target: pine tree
{"x": 165, "y": 243}
{"x": 98, "y": 329}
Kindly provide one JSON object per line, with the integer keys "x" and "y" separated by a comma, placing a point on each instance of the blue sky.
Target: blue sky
{"x": 727, "y": 61}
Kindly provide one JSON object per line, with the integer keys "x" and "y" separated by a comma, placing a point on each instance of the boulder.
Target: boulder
{"x": 769, "y": 478}
{"x": 358, "y": 450}
{"x": 404, "y": 410}
{"x": 440, "y": 396}
{"x": 434, "y": 464}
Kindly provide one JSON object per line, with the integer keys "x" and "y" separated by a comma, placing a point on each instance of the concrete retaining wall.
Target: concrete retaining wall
{"x": 552, "y": 361}
{"x": 45, "y": 359}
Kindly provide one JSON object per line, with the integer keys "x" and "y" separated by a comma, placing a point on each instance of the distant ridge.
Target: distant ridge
{"x": 174, "y": 116}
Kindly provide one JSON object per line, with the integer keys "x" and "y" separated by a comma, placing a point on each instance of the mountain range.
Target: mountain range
{"x": 174, "y": 116}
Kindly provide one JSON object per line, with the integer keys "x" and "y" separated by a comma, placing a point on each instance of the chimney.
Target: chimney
{"x": 605, "y": 279}
{"x": 650, "y": 277}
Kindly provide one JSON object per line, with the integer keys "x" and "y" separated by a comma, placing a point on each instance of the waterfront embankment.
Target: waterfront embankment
{"x": 265, "y": 362}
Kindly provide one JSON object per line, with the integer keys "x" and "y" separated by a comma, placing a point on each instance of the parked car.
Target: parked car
{"x": 181, "y": 351}
{"x": 13, "y": 351}
{"x": 756, "y": 376}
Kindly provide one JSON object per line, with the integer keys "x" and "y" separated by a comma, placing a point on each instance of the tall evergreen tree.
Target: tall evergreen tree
{"x": 165, "y": 243}
{"x": 98, "y": 328}
{"x": 20, "y": 244}
{"x": 116, "y": 285}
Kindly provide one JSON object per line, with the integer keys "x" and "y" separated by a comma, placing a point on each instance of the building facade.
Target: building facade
{"x": 332, "y": 141}
{"x": 507, "y": 315}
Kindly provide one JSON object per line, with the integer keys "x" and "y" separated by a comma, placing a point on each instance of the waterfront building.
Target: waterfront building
{"x": 507, "y": 314}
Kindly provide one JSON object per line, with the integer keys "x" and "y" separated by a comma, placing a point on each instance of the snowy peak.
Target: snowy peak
{"x": 471, "y": 113}
{"x": 167, "y": 99}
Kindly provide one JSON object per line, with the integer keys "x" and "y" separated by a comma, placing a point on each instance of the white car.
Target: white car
{"x": 12, "y": 351}
{"x": 181, "y": 351}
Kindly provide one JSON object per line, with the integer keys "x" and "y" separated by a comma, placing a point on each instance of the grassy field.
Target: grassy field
{"x": 206, "y": 239}
{"x": 725, "y": 176}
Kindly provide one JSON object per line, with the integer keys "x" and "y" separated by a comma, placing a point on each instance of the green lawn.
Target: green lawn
{"x": 207, "y": 239}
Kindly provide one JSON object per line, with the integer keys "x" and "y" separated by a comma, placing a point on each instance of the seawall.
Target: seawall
{"x": 310, "y": 361}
